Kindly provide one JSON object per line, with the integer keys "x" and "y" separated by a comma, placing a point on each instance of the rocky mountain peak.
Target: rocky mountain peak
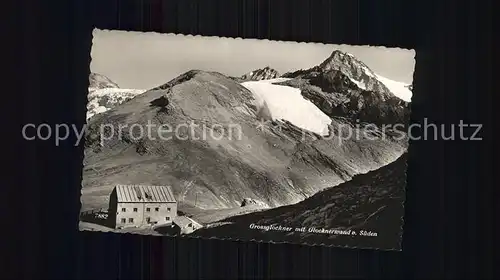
{"x": 265, "y": 73}
{"x": 342, "y": 85}
{"x": 346, "y": 63}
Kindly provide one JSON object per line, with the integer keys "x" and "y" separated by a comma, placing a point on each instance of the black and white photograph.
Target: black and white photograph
{"x": 246, "y": 139}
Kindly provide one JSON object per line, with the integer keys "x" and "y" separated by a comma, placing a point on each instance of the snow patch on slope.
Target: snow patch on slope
{"x": 287, "y": 103}
{"x": 101, "y": 100}
{"x": 359, "y": 84}
{"x": 399, "y": 89}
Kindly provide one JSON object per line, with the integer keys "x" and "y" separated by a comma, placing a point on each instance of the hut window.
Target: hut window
{"x": 167, "y": 218}
{"x": 157, "y": 209}
{"x": 124, "y": 209}
{"x": 168, "y": 208}
{"x": 124, "y": 220}
{"x": 135, "y": 209}
{"x": 148, "y": 219}
{"x": 148, "y": 209}
{"x": 131, "y": 220}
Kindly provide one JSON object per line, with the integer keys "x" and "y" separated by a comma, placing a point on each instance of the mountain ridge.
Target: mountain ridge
{"x": 104, "y": 94}
{"x": 357, "y": 71}
{"x": 275, "y": 162}
{"x": 100, "y": 81}
{"x": 212, "y": 98}
{"x": 370, "y": 204}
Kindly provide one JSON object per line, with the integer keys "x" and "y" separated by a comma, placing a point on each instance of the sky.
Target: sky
{"x": 139, "y": 60}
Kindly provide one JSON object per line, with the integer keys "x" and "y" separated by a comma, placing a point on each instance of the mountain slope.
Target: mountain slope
{"x": 265, "y": 73}
{"x": 277, "y": 102}
{"x": 101, "y": 100}
{"x": 277, "y": 163}
{"x": 100, "y": 81}
{"x": 358, "y": 72}
{"x": 371, "y": 202}
{"x": 104, "y": 94}
{"x": 399, "y": 89}
{"x": 345, "y": 86}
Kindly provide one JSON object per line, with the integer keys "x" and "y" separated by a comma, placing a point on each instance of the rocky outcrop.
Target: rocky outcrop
{"x": 344, "y": 86}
